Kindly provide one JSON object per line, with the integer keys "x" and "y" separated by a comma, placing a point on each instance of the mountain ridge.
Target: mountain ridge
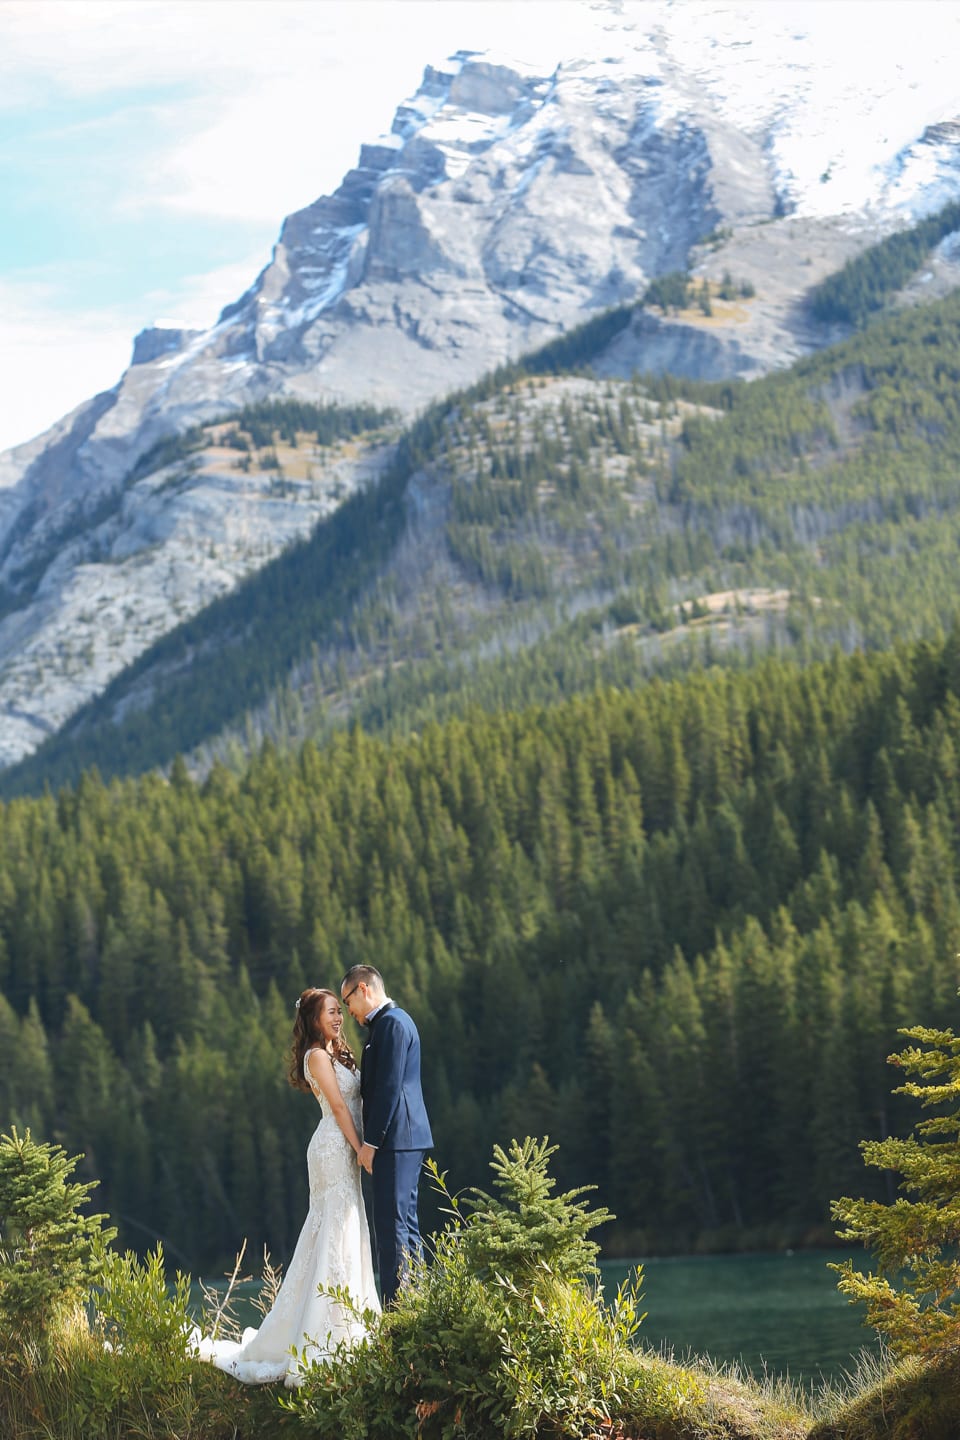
{"x": 505, "y": 204}
{"x": 546, "y": 533}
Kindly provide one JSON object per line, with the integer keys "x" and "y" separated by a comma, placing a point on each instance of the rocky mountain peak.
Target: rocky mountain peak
{"x": 507, "y": 203}
{"x": 487, "y": 87}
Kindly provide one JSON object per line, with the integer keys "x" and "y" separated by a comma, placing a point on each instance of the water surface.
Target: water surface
{"x": 779, "y": 1312}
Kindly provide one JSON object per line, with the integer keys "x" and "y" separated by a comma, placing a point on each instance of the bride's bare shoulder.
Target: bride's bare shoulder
{"x": 317, "y": 1058}
{"x": 317, "y": 1067}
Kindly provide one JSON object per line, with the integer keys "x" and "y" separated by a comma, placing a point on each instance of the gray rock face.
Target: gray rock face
{"x": 160, "y": 340}
{"x": 400, "y": 245}
{"x": 504, "y": 207}
{"x": 172, "y": 542}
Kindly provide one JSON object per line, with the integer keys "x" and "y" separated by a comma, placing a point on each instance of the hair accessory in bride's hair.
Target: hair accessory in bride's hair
{"x": 296, "y": 1003}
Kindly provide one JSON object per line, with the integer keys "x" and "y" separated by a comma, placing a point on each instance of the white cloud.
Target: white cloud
{"x": 255, "y": 108}
{"x": 86, "y": 47}
{"x": 52, "y": 359}
{"x": 278, "y": 93}
{"x": 241, "y": 111}
{"x": 54, "y": 355}
{"x": 325, "y": 77}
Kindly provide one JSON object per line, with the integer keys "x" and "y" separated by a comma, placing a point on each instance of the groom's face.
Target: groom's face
{"x": 357, "y": 1000}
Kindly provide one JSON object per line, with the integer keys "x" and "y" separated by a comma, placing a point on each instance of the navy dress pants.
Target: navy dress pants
{"x": 396, "y": 1227}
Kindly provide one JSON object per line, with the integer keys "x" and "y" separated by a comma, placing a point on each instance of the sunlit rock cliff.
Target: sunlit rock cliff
{"x": 506, "y": 205}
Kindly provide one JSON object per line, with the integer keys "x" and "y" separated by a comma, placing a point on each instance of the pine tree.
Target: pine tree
{"x": 49, "y": 1253}
{"x": 526, "y": 1227}
{"x": 914, "y": 1239}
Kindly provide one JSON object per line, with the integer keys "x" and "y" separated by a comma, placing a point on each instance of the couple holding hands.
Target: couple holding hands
{"x": 373, "y": 1118}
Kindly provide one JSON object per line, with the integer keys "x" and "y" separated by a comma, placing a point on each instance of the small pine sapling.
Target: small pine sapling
{"x": 914, "y": 1299}
{"x": 50, "y": 1254}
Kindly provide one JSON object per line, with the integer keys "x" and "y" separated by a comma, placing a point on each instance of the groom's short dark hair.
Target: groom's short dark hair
{"x": 362, "y": 975}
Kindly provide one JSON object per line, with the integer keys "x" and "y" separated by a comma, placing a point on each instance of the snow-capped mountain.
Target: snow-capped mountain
{"x": 509, "y": 202}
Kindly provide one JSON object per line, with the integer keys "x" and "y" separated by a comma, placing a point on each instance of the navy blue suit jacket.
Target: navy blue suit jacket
{"x": 394, "y": 1115}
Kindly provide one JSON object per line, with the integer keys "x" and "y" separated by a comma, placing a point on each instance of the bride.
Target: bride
{"x": 334, "y": 1245}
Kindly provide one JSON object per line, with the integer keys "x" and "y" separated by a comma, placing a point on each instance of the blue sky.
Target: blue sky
{"x": 150, "y": 149}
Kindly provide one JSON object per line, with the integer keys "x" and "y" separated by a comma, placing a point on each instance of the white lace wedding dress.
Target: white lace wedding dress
{"x": 333, "y": 1250}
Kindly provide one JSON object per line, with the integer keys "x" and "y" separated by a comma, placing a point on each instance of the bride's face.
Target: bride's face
{"x": 331, "y": 1019}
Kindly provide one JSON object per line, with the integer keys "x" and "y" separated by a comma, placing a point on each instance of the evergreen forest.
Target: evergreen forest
{"x": 674, "y": 928}
{"x": 618, "y": 724}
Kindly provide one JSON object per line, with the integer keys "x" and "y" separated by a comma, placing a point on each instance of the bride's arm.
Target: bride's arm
{"x": 320, "y": 1066}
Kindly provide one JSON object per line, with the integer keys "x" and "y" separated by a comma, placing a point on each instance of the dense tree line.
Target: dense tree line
{"x": 866, "y": 282}
{"x": 672, "y": 291}
{"x": 257, "y": 425}
{"x": 229, "y": 655}
{"x": 674, "y": 929}
{"x": 167, "y": 452}
{"x": 326, "y": 423}
{"x": 835, "y": 483}
{"x": 571, "y": 351}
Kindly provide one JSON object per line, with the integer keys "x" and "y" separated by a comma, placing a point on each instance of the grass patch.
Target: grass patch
{"x": 915, "y": 1398}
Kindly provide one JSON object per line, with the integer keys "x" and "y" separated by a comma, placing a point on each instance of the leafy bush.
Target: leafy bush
{"x": 129, "y": 1372}
{"x": 502, "y": 1334}
{"x": 138, "y": 1313}
{"x": 136, "y": 1357}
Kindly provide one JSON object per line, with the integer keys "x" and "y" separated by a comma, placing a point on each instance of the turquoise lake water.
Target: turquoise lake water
{"x": 781, "y": 1312}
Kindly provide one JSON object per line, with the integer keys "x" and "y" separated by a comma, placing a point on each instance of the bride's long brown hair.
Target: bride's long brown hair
{"x": 307, "y": 1034}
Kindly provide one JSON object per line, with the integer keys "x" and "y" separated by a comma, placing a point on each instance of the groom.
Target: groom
{"x": 395, "y": 1125}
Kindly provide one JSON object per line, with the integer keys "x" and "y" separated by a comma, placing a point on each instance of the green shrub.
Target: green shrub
{"x": 139, "y": 1359}
{"x": 501, "y": 1334}
{"x": 130, "y": 1373}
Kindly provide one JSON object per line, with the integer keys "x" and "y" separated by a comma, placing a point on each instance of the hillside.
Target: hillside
{"x": 548, "y": 531}
{"x": 196, "y": 514}
{"x": 509, "y": 202}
